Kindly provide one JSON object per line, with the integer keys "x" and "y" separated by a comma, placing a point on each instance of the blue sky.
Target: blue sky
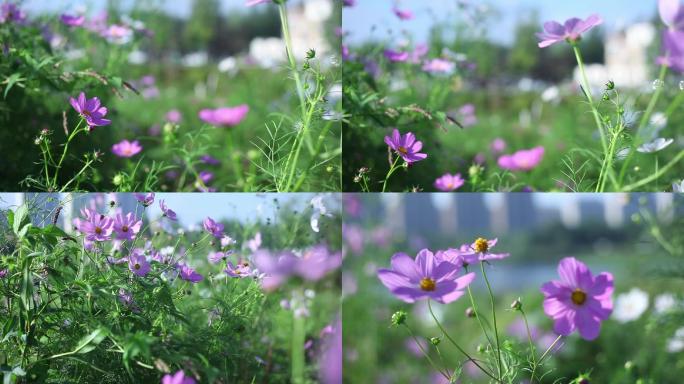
{"x": 359, "y": 20}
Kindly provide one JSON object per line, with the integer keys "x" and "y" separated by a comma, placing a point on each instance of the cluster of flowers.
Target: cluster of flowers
{"x": 408, "y": 148}
{"x": 579, "y": 301}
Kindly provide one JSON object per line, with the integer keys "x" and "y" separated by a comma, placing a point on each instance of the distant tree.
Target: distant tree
{"x": 204, "y": 21}
{"x": 524, "y": 54}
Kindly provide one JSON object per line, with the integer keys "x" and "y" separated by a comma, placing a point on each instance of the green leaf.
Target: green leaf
{"x": 15, "y": 78}
{"x": 20, "y": 216}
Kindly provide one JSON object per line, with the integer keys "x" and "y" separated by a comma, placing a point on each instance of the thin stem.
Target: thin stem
{"x": 496, "y": 331}
{"x": 237, "y": 168}
{"x": 644, "y": 120}
{"x": 587, "y": 92}
{"x": 427, "y": 356}
{"x": 65, "y": 150}
{"x": 391, "y": 171}
{"x": 298, "y": 360}
{"x": 477, "y": 313}
{"x": 656, "y": 175}
{"x": 549, "y": 349}
{"x": 439, "y": 325}
{"x": 532, "y": 349}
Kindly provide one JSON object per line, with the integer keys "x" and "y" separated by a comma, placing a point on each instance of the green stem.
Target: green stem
{"x": 439, "y": 325}
{"x": 477, "y": 313}
{"x": 427, "y": 356}
{"x": 496, "y": 331}
{"x": 644, "y": 120}
{"x": 532, "y": 349}
{"x": 391, "y": 171}
{"x": 64, "y": 152}
{"x": 674, "y": 105}
{"x": 587, "y": 92}
{"x": 298, "y": 340}
{"x": 237, "y": 168}
{"x": 656, "y": 175}
{"x": 549, "y": 349}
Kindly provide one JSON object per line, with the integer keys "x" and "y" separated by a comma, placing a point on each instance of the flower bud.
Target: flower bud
{"x": 435, "y": 341}
{"x": 118, "y": 179}
{"x": 610, "y": 85}
{"x": 629, "y": 365}
{"x": 516, "y": 304}
{"x": 470, "y": 312}
{"x": 399, "y": 318}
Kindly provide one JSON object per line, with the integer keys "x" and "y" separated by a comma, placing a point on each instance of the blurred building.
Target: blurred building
{"x": 627, "y": 59}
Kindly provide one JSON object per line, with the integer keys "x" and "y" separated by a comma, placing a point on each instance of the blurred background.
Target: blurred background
{"x": 636, "y": 237}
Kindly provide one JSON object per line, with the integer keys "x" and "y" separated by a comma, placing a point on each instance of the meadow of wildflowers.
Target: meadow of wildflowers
{"x": 119, "y": 291}
{"x": 542, "y": 303}
{"x": 132, "y": 98}
{"x": 555, "y": 106}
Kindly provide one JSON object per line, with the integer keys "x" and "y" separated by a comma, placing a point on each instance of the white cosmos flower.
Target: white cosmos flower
{"x": 678, "y": 187}
{"x": 654, "y": 146}
{"x": 319, "y": 209}
{"x": 676, "y": 342}
{"x": 664, "y": 302}
{"x": 631, "y": 305}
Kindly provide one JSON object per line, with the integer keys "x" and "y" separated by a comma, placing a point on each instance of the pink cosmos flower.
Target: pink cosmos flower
{"x": 189, "y": 274}
{"x": 672, "y": 14}
{"x": 403, "y": 14}
{"x": 251, "y": 3}
{"x": 97, "y": 227}
{"x": 72, "y": 21}
{"x": 216, "y": 257}
{"x": 118, "y": 34}
{"x": 498, "y": 145}
{"x": 239, "y": 270}
{"x": 406, "y": 146}
{"x": 255, "y": 243}
{"x": 145, "y": 199}
{"x": 523, "y": 160}
{"x": 482, "y": 249}
{"x": 426, "y": 277}
{"x": 438, "y": 66}
{"x": 126, "y": 227}
{"x": 166, "y": 211}
{"x": 571, "y": 31}
{"x": 214, "y": 228}
{"x": 314, "y": 263}
{"x": 91, "y": 110}
{"x": 224, "y": 116}
{"x": 579, "y": 300}
{"x": 174, "y": 116}
{"x": 177, "y": 378}
{"x": 449, "y": 182}
{"x": 466, "y": 115}
{"x": 396, "y": 56}
{"x": 127, "y": 148}
{"x": 138, "y": 264}
{"x": 10, "y": 12}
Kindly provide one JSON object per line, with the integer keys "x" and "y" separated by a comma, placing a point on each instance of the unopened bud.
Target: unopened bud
{"x": 399, "y": 318}
{"x": 470, "y": 312}
{"x": 516, "y": 304}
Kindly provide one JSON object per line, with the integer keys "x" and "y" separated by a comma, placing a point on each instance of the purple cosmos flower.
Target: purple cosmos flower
{"x": 673, "y": 50}
{"x": 97, "y": 227}
{"x": 174, "y": 116}
{"x": 72, "y": 21}
{"x": 672, "y": 14}
{"x": 523, "y": 160}
{"x": 3, "y": 273}
{"x": 224, "y": 116}
{"x": 419, "y": 51}
{"x": 227, "y": 241}
{"x": 251, "y": 3}
{"x": 425, "y": 278}
{"x": 403, "y": 14}
{"x": 330, "y": 364}
{"x": 138, "y": 264}
{"x": 349, "y": 3}
{"x": 145, "y": 199}
{"x": 189, "y": 274}
{"x": 579, "y": 300}
{"x": 406, "y": 146}
{"x": 312, "y": 265}
{"x": 166, "y": 211}
{"x": 91, "y": 110}
{"x": 466, "y": 115}
{"x": 482, "y": 248}
{"x": 396, "y": 56}
{"x": 118, "y": 34}
{"x": 438, "y": 66}
{"x": 498, "y": 145}
{"x": 10, "y": 12}
{"x": 448, "y": 182}
{"x": 127, "y": 148}
{"x": 206, "y": 176}
{"x": 571, "y": 31}
{"x": 214, "y": 228}
{"x": 207, "y": 159}
{"x": 126, "y": 227}
{"x": 216, "y": 257}
{"x": 239, "y": 270}
{"x": 177, "y": 378}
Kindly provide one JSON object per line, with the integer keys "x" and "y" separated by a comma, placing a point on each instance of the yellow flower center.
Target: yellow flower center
{"x": 136, "y": 266}
{"x": 427, "y": 284}
{"x": 481, "y": 245}
{"x": 578, "y": 296}
{"x": 124, "y": 228}
{"x": 403, "y": 150}
{"x": 98, "y": 230}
